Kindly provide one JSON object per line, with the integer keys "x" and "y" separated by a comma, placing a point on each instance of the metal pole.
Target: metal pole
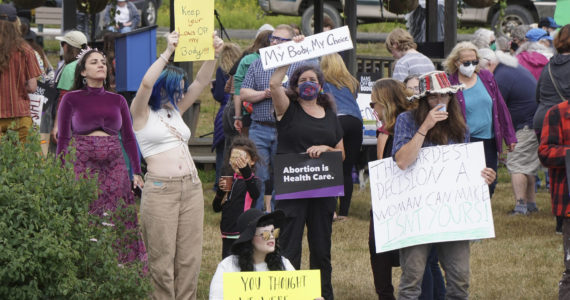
{"x": 431, "y": 21}
{"x": 450, "y": 35}
{"x": 350, "y": 12}
{"x": 318, "y": 16}
{"x": 69, "y": 15}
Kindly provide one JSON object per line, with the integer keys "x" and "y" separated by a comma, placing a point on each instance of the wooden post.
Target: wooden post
{"x": 431, "y": 21}
{"x": 69, "y": 15}
{"x": 450, "y": 35}
{"x": 350, "y": 12}
{"x": 318, "y": 16}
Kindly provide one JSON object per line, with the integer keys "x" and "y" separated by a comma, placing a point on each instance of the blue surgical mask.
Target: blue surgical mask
{"x": 309, "y": 90}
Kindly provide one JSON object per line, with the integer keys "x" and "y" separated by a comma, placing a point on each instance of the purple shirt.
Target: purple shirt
{"x": 502, "y": 124}
{"x": 83, "y": 111}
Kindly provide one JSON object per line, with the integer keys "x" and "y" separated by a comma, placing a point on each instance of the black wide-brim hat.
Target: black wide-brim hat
{"x": 247, "y": 223}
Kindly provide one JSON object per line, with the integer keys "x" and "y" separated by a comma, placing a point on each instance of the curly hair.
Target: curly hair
{"x": 391, "y": 95}
{"x": 323, "y": 99}
{"x": 451, "y": 129}
{"x": 78, "y": 83}
{"x": 244, "y": 251}
{"x": 10, "y": 40}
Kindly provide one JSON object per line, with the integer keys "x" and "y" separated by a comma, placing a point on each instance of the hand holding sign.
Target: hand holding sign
{"x": 172, "y": 41}
{"x": 218, "y": 43}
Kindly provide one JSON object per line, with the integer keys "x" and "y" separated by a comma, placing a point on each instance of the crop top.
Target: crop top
{"x": 83, "y": 111}
{"x": 155, "y": 137}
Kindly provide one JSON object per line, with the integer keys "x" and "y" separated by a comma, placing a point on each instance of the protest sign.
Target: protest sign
{"x": 441, "y": 197}
{"x": 194, "y": 21}
{"x": 316, "y": 45}
{"x": 272, "y": 285}
{"x": 363, "y": 99}
{"x": 36, "y": 103}
{"x": 299, "y": 176}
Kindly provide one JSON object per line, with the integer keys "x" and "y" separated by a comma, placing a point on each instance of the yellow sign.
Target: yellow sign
{"x": 272, "y": 285}
{"x": 194, "y": 21}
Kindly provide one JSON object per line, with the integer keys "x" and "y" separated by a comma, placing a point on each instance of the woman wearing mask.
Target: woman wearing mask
{"x": 481, "y": 103}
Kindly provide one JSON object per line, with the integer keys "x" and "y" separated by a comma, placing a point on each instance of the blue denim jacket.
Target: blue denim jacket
{"x": 345, "y": 101}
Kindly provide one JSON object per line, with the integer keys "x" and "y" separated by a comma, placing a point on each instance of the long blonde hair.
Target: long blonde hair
{"x": 337, "y": 74}
{"x": 453, "y": 57}
{"x": 392, "y": 96}
{"x": 229, "y": 55}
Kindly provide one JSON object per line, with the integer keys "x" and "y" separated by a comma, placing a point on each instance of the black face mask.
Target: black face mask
{"x": 514, "y": 46}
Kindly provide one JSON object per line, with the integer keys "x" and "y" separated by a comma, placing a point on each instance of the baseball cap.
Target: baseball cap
{"x": 74, "y": 38}
{"x": 263, "y": 28}
{"x": 548, "y": 22}
{"x": 537, "y": 34}
{"x": 8, "y": 13}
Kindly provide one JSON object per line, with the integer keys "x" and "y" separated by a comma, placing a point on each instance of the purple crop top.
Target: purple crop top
{"x": 84, "y": 111}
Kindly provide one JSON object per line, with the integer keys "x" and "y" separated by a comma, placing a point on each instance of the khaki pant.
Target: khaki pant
{"x": 172, "y": 218}
{"x": 21, "y": 124}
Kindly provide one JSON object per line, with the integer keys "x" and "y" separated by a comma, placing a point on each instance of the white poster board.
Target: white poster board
{"x": 316, "y": 45}
{"x": 363, "y": 99}
{"x": 36, "y": 105}
{"x": 441, "y": 197}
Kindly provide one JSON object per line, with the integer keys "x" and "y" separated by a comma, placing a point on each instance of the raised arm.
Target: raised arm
{"x": 203, "y": 78}
{"x": 280, "y": 99}
{"x": 139, "y": 106}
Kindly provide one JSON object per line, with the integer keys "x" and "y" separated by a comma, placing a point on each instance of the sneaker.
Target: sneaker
{"x": 532, "y": 208}
{"x": 520, "y": 209}
{"x": 516, "y": 212}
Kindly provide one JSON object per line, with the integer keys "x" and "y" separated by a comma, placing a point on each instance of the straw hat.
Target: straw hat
{"x": 435, "y": 83}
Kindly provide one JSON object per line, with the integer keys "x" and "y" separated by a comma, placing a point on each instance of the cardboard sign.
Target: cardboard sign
{"x": 316, "y": 45}
{"x": 370, "y": 124}
{"x": 194, "y": 21}
{"x": 441, "y": 197}
{"x": 272, "y": 285}
{"x": 299, "y": 176}
{"x": 36, "y": 104}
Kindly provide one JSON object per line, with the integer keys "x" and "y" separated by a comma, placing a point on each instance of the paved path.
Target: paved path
{"x": 362, "y": 37}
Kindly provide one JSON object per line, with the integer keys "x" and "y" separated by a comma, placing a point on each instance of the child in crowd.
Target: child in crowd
{"x": 237, "y": 195}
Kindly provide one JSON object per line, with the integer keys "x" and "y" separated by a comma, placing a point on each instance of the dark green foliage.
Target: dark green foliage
{"x": 50, "y": 247}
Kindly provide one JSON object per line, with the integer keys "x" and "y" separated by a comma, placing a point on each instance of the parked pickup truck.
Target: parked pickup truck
{"x": 517, "y": 12}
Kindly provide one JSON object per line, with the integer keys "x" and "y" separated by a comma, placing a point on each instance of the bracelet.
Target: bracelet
{"x": 237, "y": 117}
{"x": 420, "y": 133}
{"x": 165, "y": 60}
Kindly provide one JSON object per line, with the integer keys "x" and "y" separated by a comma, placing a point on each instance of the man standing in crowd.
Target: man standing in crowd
{"x": 518, "y": 87}
{"x": 401, "y": 44}
{"x": 263, "y": 131}
{"x": 18, "y": 72}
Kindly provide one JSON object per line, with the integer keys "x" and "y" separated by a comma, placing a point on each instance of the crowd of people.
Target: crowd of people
{"x": 492, "y": 90}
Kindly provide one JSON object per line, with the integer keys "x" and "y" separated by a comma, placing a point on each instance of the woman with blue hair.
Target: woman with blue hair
{"x": 172, "y": 205}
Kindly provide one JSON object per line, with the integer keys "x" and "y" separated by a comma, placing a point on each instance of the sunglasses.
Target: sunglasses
{"x": 470, "y": 62}
{"x": 273, "y": 38}
{"x": 266, "y": 234}
{"x": 372, "y": 104}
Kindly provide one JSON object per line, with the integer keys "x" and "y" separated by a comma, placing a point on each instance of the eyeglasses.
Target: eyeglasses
{"x": 266, "y": 234}
{"x": 470, "y": 62}
{"x": 277, "y": 39}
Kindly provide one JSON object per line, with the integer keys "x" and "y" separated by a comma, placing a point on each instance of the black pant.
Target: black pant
{"x": 317, "y": 214}
{"x": 352, "y": 140}
{"x": 381, "y": 264}
{"x": 491, "y": 158}
{"x": 227, "y": 247}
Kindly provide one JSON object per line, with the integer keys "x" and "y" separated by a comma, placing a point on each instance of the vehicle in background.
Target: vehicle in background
{"x": 517, "y": 12}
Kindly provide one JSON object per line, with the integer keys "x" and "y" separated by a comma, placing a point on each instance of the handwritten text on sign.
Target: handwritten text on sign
{"x": 36, "y": 103}
{"x": 312, "y": 46}
{"x": 194, "y": 21}
{"x": 441, "y": 197}
{"x": 276, "y": 285}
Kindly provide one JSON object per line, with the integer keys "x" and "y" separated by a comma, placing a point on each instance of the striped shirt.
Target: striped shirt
{"x": 410, "y": 64}
{"x": 23, "y": 66}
